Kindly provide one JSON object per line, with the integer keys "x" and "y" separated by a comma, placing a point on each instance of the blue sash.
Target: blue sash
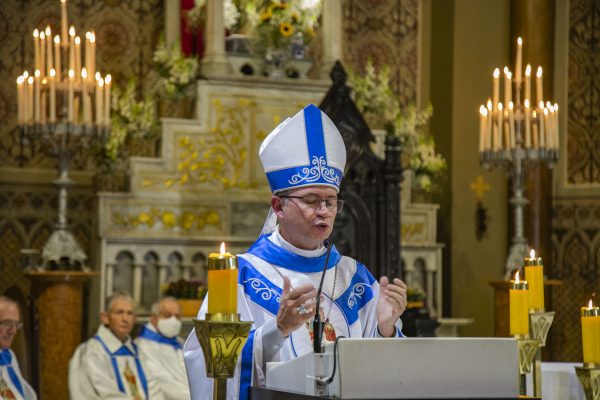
{"x": 157, "y": 337}
{"x": 124, "y": 351}
{"x": 6, "y": 360}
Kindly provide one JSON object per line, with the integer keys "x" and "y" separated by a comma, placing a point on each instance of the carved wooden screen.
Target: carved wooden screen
{"x": 368, "y": 228}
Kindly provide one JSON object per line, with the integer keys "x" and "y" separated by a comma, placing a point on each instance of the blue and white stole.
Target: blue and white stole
{"x": 261, "y": 291}
{"x": 125, "y": 351}
{"x": 158, "y": 338}
{"x": 6, "y": 361}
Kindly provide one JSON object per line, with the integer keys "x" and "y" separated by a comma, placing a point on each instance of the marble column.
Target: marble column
{"x": 172, "y": 21}
{"x": 332, "y": 35}
{"x": 215, "y": 62}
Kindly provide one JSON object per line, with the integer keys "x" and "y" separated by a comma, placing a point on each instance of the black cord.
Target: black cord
{"x": 335, "y": 346}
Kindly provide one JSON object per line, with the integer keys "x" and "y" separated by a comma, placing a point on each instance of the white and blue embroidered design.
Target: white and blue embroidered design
{"x": 357, "y": 292}
{"x": 315, "y": 173}
{"x": 261, "y": 288}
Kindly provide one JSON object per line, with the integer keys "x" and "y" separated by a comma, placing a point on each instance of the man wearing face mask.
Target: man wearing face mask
{"x": 161, "y": 349}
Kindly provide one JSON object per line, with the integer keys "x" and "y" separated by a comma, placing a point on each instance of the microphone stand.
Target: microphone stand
{"x": 318, "y": 325}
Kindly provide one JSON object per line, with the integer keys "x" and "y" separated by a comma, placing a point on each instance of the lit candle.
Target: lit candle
{"x": 528, "y": 82}
{"x": 488, "y": 136}
{"x": 92, "y": 61}
{"x": 590, "y": 334}
{"x": 52, "y": 96}
{"x": 57, "y": 56}
{"x": 78, "y": 55}
{"x": 518, "y": 298}
{"x": 556, "y": 126}
{"x": 496, "y": 91}
{"x": 50, "y": 64}
{"x": 534, "y": 130}
{"x": 70, "y": 98}
{"x": 107, "y": 85}
{"x": 30, "y": 99}
{"x": 20, "y": 98}
{"x": 534, "y": 273}
{"x": 539, "y": 87}
{"x": 44, "y": 102}
{"x": 544, "y": 128}
{"x": 507, "y": 86}
{"x": 511, "y": 120}
{"x": 99, "y": 102}
{"x": 37, "y": 100}
{"x": 87, "y": 105}
{"x": 63, "y": 20}
{"x": 518, "y": 62}
{"x": 482, "y": 127}
{"x": 72, "y": 48}
{"x": 222, "y": 282}
{"x": 36, "y": 49}
{"x": 498, "y": 139}
{"x": 527, "y": 125}
{"x": 42, "y": 67}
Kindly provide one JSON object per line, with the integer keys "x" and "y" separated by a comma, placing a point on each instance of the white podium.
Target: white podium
{"x": 409, "y": 368}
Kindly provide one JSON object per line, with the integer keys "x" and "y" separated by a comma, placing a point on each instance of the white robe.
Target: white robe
{"x": 95, "y": 374}
{"x": 352, "y": 311}
{"x": 164, "y": 363}
{"x": 11, "y": 380}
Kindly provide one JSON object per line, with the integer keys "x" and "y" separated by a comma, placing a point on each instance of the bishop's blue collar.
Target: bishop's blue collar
{"x": 5, "y": 357}
{"x": 270, "y": 252}
{"x": 149, "y": 334}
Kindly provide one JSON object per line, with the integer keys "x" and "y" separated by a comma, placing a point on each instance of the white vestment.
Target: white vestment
{"x": 105, "y": 368}
{"x": 11, "y": 380}
{"x": 163, "y": 362}
{"x": 350, "y": 299}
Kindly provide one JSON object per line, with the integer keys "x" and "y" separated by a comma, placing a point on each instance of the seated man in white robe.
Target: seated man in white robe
{"x": 161, "y": 349}
{"x": 12, "y": 384}
{"x": 107, "y": 366}
{"x": 304, "y": 160}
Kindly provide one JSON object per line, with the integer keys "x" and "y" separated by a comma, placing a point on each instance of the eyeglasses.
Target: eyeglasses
{"x": 7, "y": 324}
{"x": 315, "y": 202}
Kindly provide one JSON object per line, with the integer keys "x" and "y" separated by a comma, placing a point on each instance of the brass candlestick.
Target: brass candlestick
{"x": 540, "y": 322}
{"x": 589, "y": 376}
{"x": 222, "y": 337}
{"x": 527, "y": 351}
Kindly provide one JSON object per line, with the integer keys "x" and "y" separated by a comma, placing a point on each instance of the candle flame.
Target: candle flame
{"x": 36, "y": 33}
{"x": 546, "y": 111}
{"x": 20, "y": 80}
{"x": 92, "y": 37}
{"x": 101, "y": 82}
{"x": 71, "y": 74}
{"x": 77, "y": 40}
{"x": 97, "y": 76}
{"x": 500, "y": 106}
{"x": 44, "y": 81}
{"x": 483, "y": 110}
{"x": 42, "y": 35}
{"x": 26, "y": 74}
{"x": 520, "y": 41}
{"x": 534, "y": 114}
{"x": 505, "y": 70}
{"x": 508, "y": 75}
{"x": 590, "y": 304}
{"x": 532, "y": 253}
{"x": 84, "y": 73}
{"x": 526, "y": 103}
{"x": 222, "y": 247}
{"x": 528, "y": 70}
{"x": 489, "y": 105}
{"x": 510, "y": 105}
{"x": 52, "y": 72}
{"x": 48, "y": 30}
{"x": 539, "y": 72}
{"x": 72, "y": 31}
{"x": 517, "y": 277}
{"x": 555, "y": 106}
{"x": 541, "y": 104}
{"x": 57, "y": 39}
{"x": 107, "y": 79}
{"x": 30, "y": 80}
{"x": 497, "y": 73}
{"x": 63, "y": 1}
{"x": 37, "y": 73}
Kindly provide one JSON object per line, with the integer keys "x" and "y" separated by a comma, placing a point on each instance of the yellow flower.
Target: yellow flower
{"x": 265, "y": 16}
{"x": 286, "y": 29}
{"x": 295, "y": 17}
{"x": 169, "y": 219}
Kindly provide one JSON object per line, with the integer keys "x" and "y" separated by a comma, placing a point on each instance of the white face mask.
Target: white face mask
{"x": 169, "y": 327}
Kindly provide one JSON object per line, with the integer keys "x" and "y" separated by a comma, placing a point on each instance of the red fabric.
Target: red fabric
{"x": 191, "y": 42}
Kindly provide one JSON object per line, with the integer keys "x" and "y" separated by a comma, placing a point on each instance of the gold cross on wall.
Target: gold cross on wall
{"x": 479, "y": 187}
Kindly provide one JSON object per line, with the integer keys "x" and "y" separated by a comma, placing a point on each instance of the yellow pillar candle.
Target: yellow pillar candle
{"x": 590, "y": 334}
{"x": 534, "y": 273}
{"x": 518, "y": 300}
{"x": 222, "y": 282}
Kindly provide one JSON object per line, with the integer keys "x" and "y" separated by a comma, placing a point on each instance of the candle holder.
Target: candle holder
{"x": 540, "y": 322}
{"x": 527, "y": 352}
{"x": 222, "y": 337}
{"x": 524, "y": 135}
{"x": 63, "y": 140}
{"x": 589, "y": 376}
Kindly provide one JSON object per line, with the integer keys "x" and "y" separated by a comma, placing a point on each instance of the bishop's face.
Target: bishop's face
{"x": 305, "y": 220}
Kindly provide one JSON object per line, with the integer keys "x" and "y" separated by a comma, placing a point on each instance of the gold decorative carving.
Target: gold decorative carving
{"x": 169, "y": 220}
{"x": 409, "y": 230}
{"x": 590, "y": 380}
{"x": 218, "y": 157}
{"x": 527, "y": 350}
{"x": 540, "y": 323}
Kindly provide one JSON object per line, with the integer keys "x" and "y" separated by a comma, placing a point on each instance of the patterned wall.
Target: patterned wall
{"x": 576, "y": 220}
{"x": 387, "y": 32}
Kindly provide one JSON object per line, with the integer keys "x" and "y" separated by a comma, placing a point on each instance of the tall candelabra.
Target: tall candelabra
{"x": 516, "y": 135}
{"x": 55, "y": 111}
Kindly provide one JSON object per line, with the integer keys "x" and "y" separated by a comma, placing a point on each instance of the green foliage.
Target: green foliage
{"x": 176, "y": 72}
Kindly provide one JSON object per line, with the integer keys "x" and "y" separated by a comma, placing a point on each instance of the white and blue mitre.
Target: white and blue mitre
{"x": 304, "y": 150}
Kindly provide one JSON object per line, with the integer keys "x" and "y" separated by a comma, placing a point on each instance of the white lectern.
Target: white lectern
{"x": 408, "y": 368}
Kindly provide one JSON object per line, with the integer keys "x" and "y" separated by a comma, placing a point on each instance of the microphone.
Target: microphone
{"x": 318, "y": 325}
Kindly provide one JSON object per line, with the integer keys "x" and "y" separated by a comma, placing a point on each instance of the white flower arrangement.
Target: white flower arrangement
{"x": 197, "y": 15}
{"x": 176, "y": 72}
{"x": 375, "y": 98}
